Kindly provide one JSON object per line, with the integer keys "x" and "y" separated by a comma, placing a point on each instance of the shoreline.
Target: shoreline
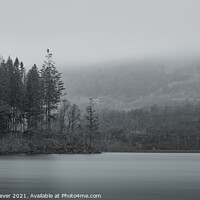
{"x": 90, "y": 153}
{"x": 156, "y": 151}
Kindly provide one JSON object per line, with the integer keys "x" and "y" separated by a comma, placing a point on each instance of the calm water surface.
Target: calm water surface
{"x": 116, "y": 176}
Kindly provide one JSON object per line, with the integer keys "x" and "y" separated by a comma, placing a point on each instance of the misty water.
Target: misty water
{"x": 116, "y": 176}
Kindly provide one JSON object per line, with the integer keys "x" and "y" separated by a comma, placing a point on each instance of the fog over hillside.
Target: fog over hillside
{"x": 133, "y": 84}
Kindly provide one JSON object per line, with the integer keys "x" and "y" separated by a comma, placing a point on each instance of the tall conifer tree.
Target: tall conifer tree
{"x": 52, "y": 87}
{"x": 33, "y": 98}
{"x": 92, "y": 122}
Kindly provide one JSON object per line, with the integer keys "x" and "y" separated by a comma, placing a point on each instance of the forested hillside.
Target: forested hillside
{"x": 130, "y": 85}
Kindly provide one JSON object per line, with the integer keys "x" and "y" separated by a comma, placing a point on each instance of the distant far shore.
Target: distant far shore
{"x": 157, "y": 151}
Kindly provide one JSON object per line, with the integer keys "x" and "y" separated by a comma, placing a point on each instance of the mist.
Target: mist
{"x": 85, "y": 32}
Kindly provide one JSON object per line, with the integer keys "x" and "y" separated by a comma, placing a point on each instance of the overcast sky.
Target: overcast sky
{"x": 85, "y": 31}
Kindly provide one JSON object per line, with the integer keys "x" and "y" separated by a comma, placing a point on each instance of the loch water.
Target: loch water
{"x": 116, "y": 176}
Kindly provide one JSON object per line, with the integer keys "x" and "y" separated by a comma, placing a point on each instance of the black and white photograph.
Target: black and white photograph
{"x": 100, "y": 99}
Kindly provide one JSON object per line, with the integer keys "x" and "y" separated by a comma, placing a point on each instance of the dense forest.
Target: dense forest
{"x": 36, "y": 117}
{"x": 155, "y": 128}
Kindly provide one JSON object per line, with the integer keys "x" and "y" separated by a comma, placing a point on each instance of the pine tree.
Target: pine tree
{"x": 52, "y": 88}
{"x": 16, "y": 93}
{"x": 4, "y": 83}
{"x": 20, "y": 76}
{"x": 92, "y": 122}
{"x": 5, "y": 115}
{"x": 33, "y": 98}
